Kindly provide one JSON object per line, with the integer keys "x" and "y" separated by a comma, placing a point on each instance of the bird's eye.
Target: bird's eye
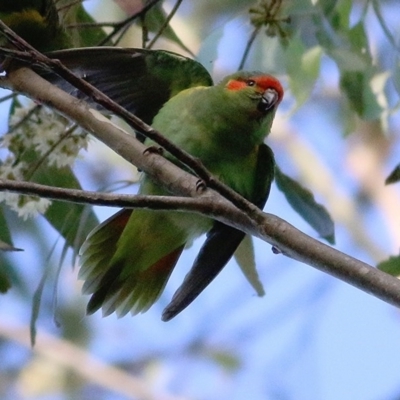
{"x": 250, "y": 82}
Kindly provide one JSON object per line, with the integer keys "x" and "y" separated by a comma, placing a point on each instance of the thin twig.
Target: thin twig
{"x": 119, "y": 26}
{"x": 108, "y": 199}
{"x": 7, "y": 97}
{"x": 165, "y": 25}
{"x": 248, "y": 47}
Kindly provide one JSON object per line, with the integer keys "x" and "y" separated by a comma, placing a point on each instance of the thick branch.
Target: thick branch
{"x": 270, "y": 228}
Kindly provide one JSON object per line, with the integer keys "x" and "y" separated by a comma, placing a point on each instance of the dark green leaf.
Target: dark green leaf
{"x": 36, "y": 301}
{"x": 5, "y": 282}
{"x": 356, "y": 85}
{"x": 72, "y": 221}
{"x": 328, "y": 6}
{"x": 359, "y": 41}
{"x": 83, "y": 36}
{"x": 336, "y": 13}
{"x": 5, "y": 236}
{"x": 303, "y": 202}
{"x": 391, "y": 265}
{"x": 394, "y": 176}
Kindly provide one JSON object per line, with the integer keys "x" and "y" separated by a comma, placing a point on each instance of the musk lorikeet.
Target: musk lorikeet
{"x": 36, "y": 21}
{"x": 127, "y": 260}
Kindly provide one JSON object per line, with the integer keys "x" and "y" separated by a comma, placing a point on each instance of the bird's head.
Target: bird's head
{"x": 263, "y": 92}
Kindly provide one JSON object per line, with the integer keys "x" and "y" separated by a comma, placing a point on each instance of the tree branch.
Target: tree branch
{"x": 95, "y": 371}
{"x": 272, "y": 229}
{"x": 203, "y": 204}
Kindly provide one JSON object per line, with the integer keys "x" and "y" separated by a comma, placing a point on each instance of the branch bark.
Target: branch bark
{"x": 272, "y": 229}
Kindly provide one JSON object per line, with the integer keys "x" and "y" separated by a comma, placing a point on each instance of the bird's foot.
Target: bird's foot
{"x": 201, "y": 186}
{"x": 154, "y": 149}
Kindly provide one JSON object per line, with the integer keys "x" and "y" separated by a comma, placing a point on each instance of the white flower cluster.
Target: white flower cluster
{"x": 51, "y": 137}
{"x": 25, "y": 206}
{"x": 49, "y": 134}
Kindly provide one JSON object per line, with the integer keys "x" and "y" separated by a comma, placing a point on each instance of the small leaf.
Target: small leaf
{"x": 226, "y": 359}
{"x": 391, "y": 266}
{"x": 357, "y": 86}
{"x": 72, "y": 221}
{"x": 244, "y": 256}
{"x": 5, "y": 282}
{"x": 394, "y": 176}
{"x": 303, "y": 202}
{"x": 81, "y": 36}
{"x": 5, "y": 236}
{"x": 303, "y": 67}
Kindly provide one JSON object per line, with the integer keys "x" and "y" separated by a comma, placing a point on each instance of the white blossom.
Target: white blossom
{"x": 32, "y": 206}
{"x": 47, "y": 132}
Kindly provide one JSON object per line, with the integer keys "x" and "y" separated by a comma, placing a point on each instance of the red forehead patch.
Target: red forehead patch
{"x": 263, "y": 82}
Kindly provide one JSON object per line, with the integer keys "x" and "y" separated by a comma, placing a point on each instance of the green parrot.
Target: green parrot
{"x": 36, "y": 21}
{"x": 126, "y": 261}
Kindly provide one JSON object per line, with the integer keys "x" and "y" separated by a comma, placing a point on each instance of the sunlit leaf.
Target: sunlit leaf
{"x": 244, "y": 256}
{"x": 155, "y": 19}
{"x": 303, "y": 69}
{"x": 83, "y": 36}
{"x": 391, "y": 266}
{"x": 303, "y": 202}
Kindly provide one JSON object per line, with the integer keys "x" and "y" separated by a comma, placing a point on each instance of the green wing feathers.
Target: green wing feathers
{"x": 140, "y": 80}
{"x": 127, "y": 260}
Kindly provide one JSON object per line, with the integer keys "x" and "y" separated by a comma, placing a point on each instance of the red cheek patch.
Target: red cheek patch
{"x": 235, "y": 85}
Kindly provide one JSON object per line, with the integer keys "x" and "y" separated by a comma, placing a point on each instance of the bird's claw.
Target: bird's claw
{"x": 275, "y": 250}
{"x": 154, "y": 149}
{"x": 200, "y": 185}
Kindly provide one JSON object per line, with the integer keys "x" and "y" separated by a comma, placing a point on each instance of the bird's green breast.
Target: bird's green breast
{"x": 218, "y": 129}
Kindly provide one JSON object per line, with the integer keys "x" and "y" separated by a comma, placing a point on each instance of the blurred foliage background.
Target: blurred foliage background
{"x": 310, "y": 336}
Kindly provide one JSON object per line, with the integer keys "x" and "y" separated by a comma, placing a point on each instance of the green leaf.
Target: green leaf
{"x": 85, "y": 37}
{"x": 5, "y": 282}
{"x": 359, "y": 41}
{"x": 303, "y": 68}
{"x": 226, "y": 359}
{"x": 155, "y": 20}
{"x": 72, "y": 221}
{"x": 391, "y": 266}
{"x": 337, "y": 13}
{"x": 394, "y": 176}
{"x": 5, "y": 235}
{"x": 357, "y": 86}
{"x": 303, "y": 202}
{"x": 244, "y": 256}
